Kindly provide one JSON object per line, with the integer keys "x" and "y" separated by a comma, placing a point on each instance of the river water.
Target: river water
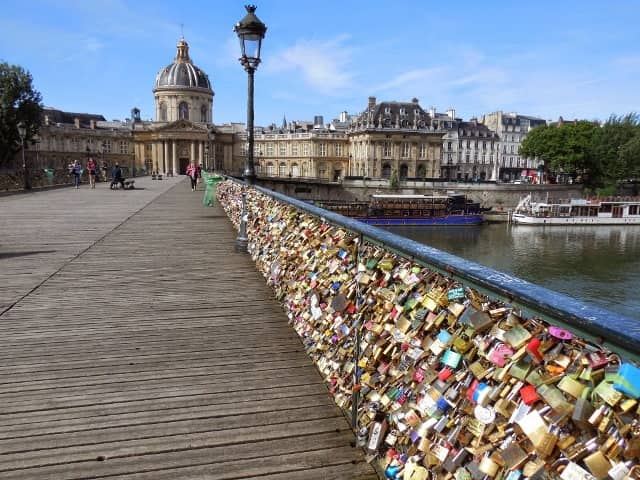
{"x": 599, "y": 265}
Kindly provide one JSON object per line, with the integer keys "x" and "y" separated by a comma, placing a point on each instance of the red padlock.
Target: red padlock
{"x": 445, "y": 373}
{"x": 532, "y": 350}
{"x": 529, "y": 394}
{"x": 472, "y": 388}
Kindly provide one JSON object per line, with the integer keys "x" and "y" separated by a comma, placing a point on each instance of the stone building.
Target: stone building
{"x": 302, "y": 149}
{"x": 469, "y": 149}
{"x": 394, "y": 136}
{"x": 182, "y": 131}
{"x": 511, "y": 129}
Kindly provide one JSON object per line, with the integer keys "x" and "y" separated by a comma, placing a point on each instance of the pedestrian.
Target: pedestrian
{"x": 116, "y": 177}
{"x": 192, "y": 173}
{"x": 105, "y": 169}
{"x": 76, "y": 170}
{"x": 199, "y": 173}
{"x": 91, "y": 169}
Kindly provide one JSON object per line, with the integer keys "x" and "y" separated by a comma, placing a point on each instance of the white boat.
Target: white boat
{"x": 601, "y": 211}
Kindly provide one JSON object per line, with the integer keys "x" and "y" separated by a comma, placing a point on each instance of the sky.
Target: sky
{"x": 569, "y": 58}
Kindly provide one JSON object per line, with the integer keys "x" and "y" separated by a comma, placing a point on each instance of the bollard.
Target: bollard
{"x": 241, "y": 241}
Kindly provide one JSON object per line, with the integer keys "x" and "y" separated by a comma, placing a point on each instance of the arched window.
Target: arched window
{"x": 183, "y": 111}
{"x": 282, "y": 170}
{"x": 295, "y": 170}
{"x": 203, "y": 114}
{"x": 386, "y": 170}
{"x": 422, "y": 171}
{"x": 404, "y": 171}
{"x": 163, "y": 112}
{"x": 270, "y": 169}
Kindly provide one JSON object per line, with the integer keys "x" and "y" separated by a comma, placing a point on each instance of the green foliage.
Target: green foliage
{"x": 394, "y": 181}
{"x": 19, "y": 102}
{"x": 601, "y": 155}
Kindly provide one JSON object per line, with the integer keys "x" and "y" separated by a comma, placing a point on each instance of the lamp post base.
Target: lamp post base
{"x": 241, "y": 245}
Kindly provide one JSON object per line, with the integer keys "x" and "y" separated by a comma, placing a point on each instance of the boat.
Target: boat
{"x": 578, "y": 211}
{"x": 423, "y": 210}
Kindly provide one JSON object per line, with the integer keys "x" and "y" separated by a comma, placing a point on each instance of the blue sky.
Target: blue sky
{"x": 578, "y": 59}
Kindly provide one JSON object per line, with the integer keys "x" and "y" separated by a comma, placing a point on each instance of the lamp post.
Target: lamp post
{"x": 250, "y": 31}
{"x": 22, "y": 131}
{"x": 104, "y": 165}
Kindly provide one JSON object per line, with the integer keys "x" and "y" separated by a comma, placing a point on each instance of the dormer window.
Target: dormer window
{"x": 403, "y": 111}
{"x": 387, "y": 110}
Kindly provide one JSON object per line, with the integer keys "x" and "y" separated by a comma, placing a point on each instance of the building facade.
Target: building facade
{"x": 395, "y": 137}
{"x": 469, "y": 149}
{"x": 511, "y": 129}
{"x": 182, "y": 131}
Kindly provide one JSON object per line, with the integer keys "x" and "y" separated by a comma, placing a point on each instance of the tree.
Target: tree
{"x": 565, "y": 148}
{"x": 615, "y": 148}
{"x": 19, "y": 102}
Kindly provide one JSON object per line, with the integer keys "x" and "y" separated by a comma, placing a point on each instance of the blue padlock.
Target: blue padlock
{"x": 628, "y": 380}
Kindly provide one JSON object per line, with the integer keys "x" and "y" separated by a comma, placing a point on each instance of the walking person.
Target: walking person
{"x": 76, "y": 170}
{"x": 91, "y": 169}
{"x": 192, "y": 172}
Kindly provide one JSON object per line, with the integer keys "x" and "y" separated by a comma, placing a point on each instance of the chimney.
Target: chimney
{"x": 451, "y": 113}
{"x": 372, "y": 103}
{"x": 76, "y": 122}
{"x": 318, "y": 121}
{"x": 92, "y": 124}
{"x": 46, "y": 120}
{"x": 415, "y": 101}
{"x": 343, "y": 116}
{"x": 432, "y": 112}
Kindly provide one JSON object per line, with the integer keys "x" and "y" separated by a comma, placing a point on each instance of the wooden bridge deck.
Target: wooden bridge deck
{"x": 134, "y": 343}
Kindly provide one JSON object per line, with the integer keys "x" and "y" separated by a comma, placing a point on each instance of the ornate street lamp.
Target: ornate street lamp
{"x": 250, "y": 31}
{"x": 22, "y": 132}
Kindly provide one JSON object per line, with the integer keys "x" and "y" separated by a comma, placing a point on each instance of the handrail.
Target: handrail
{"x": 617, "y": 332}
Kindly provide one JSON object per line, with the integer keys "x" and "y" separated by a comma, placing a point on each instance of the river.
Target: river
{"x": 599, "y": 265}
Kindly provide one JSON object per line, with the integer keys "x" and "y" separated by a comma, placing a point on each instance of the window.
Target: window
{"x": 423, "y": 150}
{"x": 467, "y": 157}
{"x": 244, "y": 148}
{"x": 163, "y": 112}
{"x": 339, "y": 151}
{"x": 183, "y": 111}
{"x": 295, "y": 170}
{"x": 512, "y": 149}
{"x": 282, "y": 170}
{"x": 124, "y": 147}
{"x": 386, "y": 149}
{"x": 283, "y": 149}
{"x": 448, "y": 145}
{"x": 269, "y": 149}
{"x": 294, "y": 149}
{"x": 203, "y": 113}
{"x": 305, "y": 149}
{"x": 322, "y": 149}
{"x": 270, "y": 169}
{"x": 74, "y": 144}
{"x": 402, "y": 111}
{"x": 405, "y": 149}
{"x": 107, "y": 146}
{"x": 468, "y": 143}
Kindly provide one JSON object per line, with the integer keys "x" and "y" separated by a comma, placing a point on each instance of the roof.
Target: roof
{"x": 182, "y": 73}
{"x": 58, "y": 116}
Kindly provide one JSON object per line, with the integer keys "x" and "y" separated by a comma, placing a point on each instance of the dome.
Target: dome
{"x": 182, "y": 73}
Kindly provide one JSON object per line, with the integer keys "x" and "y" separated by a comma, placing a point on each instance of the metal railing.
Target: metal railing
{"x": 608, "y": 329}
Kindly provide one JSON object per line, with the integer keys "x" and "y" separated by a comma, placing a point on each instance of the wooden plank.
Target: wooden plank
{"x": 144, "y": 339}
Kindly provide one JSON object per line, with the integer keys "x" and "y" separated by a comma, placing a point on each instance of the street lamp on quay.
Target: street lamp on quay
{"x": 250, "y": 31}
{"x": 22, "y": 132}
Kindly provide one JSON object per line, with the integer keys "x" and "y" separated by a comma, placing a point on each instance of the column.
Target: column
{"x": 174, "y": 156}
{"x": 201, "y": 153}
{"x": 154, "y": 158}
{"x": 193, "y": 151}
{"x": 166, "y": 152}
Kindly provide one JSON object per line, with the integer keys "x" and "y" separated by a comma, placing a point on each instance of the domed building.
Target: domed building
{"x": 182, "y": 91}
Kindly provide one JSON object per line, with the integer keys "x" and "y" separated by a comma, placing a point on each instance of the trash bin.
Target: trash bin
{"x": 48, "y": 172}
{"x": 210, "y": 181}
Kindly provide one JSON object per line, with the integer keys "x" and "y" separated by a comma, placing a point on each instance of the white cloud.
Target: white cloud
{"x": 324, "y": 66}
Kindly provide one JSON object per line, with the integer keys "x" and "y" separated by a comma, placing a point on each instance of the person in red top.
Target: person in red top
{"x": 192, "y": 173}
{"x": 91, "y": 169}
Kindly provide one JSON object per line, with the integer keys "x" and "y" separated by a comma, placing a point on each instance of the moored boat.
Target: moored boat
{"x": 599, "y": 211}
{"x": 390, "y": 210}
